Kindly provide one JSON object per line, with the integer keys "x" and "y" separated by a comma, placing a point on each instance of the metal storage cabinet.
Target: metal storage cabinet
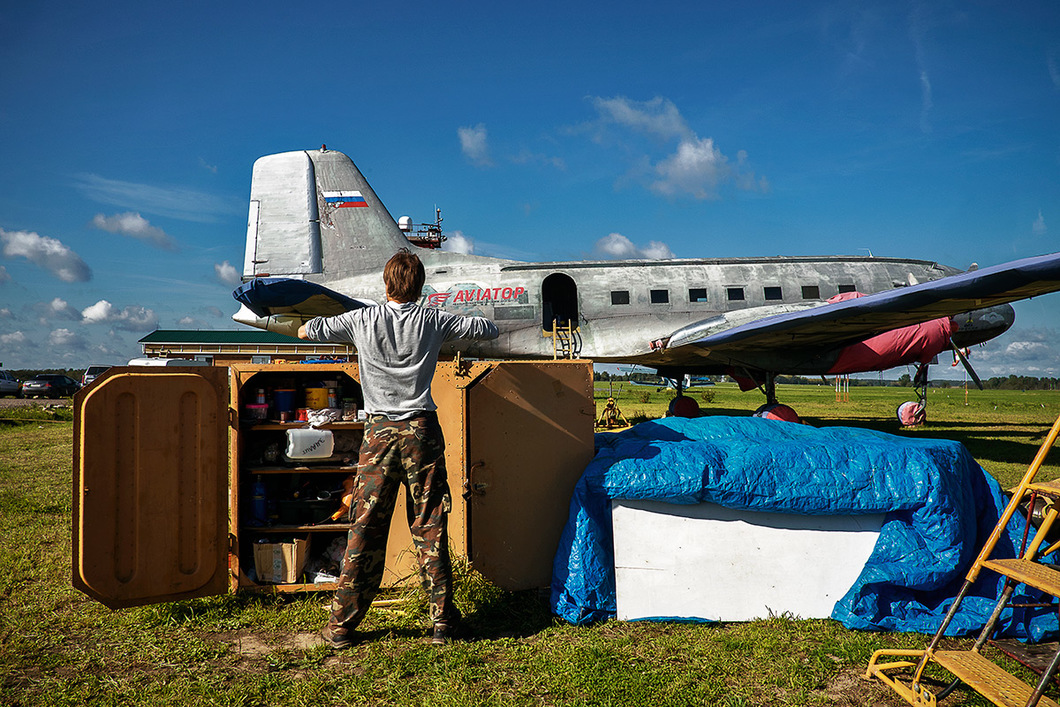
{"x": 157, "y": 451}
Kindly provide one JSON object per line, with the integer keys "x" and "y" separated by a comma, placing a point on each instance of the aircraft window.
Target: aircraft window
{"x": 697, "y": 294}
{"x": 811, "y": 292}
{"x": 848, "y": 288}
{"x": 660, "y": 296}
{"x": 619, "y": 296}
{"x": 734, "y": 293}
{"x": 773, "y": 293}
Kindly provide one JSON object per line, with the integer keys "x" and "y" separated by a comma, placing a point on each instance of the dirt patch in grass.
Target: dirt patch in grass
{"x": 252, "y": 644}
{"x": 850, "y": 687}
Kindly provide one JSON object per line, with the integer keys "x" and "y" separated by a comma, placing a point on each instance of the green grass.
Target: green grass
{"x": 57, "y": 647}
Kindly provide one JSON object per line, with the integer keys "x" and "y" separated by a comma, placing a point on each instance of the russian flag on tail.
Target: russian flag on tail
{"x": 344, "y": 199}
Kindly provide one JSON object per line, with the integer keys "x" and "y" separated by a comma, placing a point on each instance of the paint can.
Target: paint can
{"x": 316, "y": 398}
{"x": 284, "y": 399}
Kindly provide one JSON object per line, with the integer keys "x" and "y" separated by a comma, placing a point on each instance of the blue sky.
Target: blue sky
{"x": 544, "y": 131}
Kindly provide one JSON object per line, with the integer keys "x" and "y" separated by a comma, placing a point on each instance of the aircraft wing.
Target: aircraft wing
{"x": 278, "y": 296}
{"x": 832, "y": 325}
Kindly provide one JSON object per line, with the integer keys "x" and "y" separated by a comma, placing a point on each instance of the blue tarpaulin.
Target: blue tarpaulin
{"x": 940, "y": 508}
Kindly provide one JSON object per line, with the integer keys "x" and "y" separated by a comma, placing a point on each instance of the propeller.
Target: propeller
{"x": 967, "y": 365}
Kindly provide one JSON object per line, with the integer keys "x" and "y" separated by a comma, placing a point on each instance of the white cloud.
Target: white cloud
{"x": 15, "y": 338}
{"x": 925, "y": 102}
{"x": 615, "y": 246}
{"x": 136, "y": 226}
{"x": 1029, "y": 352}
{"x": 192, "y": 323}
{"x": 207, "y": 166}
{"x": 226, "y": 273}
{"x": 57, "y": 309}
{"x": 1038, "y": 227}
{"x": 528, "y": 157}
{"x": 131, "y": 318}
{"x": 473, "y": 143}
{"x": 5, "y": 313}
{"x": 5, "y": 276}
{"x": 65, "y": 338}
{"x": 179, "y": 203}
{"x": 658, "y": 117}
{"x": 457, "y": 242}
{"x": 696, "y": 168}
{"x": 47, "y": 253}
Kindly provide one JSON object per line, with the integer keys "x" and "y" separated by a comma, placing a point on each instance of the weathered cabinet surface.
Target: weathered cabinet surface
{"x": 165, "y": 461}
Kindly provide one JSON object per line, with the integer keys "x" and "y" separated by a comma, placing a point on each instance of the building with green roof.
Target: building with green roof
{"x": 224, "y": 346}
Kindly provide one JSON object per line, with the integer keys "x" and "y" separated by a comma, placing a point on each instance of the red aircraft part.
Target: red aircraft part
{"x": 918, "y": 343}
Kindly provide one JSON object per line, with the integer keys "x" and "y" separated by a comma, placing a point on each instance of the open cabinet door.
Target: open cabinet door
{"x": 531, "y": 436}
{"x": 150, "y": 516}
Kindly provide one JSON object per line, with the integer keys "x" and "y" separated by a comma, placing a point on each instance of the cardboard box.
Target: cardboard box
{"x": 280, "y": 563}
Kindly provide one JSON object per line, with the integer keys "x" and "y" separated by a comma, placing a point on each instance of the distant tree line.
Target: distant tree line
{"x": 1012, "y": 382}
{"x": 24, "y": 374}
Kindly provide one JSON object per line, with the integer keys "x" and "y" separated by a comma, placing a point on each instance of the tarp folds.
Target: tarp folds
{"x": 940, "y": 505}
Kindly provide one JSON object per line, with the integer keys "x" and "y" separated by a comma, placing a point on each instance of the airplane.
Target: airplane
{"x": 318, "y": 237}
{"x": 653, "y": 380}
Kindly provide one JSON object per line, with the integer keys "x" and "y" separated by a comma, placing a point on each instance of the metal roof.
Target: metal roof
{"x": 219, "y": 336}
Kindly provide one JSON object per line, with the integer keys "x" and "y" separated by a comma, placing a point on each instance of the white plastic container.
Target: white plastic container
{"x": 308, "y": 443}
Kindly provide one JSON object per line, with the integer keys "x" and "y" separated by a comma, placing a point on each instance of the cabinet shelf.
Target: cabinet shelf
{"x": 302, "y": 469}
{"x": 291, "y": 588}
{"x": 319, "y": 528}
{"x": 275, "y": 425}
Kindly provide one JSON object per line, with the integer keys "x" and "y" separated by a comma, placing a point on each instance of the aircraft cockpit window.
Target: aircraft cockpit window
{"x": 697, "y": 294}
{"x": 619, "y": 296}
{"x": 660, "y": 296}
{"x": 811, "y": 292}
{"x": 773, "y": 293}
{"x": 735, "y": 294}
{"x": 847, "y": 288}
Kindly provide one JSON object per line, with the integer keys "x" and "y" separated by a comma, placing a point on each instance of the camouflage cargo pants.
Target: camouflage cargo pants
{"x": 395, "y": 453}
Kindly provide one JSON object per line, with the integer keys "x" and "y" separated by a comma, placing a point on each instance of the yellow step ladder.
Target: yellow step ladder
{"x": 564, "y": 343}
{"x": 971, "y": 667}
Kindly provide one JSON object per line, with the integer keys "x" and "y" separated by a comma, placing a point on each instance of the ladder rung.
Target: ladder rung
{"x": 1049, "y": 488}
{"x": 988, "y": 679}
{"x": 1031, "y": 573}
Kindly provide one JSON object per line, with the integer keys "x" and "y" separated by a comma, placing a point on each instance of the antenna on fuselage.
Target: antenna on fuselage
{"x": 428, "y": 235}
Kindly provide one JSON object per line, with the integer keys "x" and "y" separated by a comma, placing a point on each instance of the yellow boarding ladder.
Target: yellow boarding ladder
{"x": 563, "y": 340}
{"x": 972, "y": 667}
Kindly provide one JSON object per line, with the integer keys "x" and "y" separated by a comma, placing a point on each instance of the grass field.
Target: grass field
{"x": 57, "y": 647}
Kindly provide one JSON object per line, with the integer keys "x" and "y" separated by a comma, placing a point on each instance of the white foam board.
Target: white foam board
{"x": 709, "y": 562}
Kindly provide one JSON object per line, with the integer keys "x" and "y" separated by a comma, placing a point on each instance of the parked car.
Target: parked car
{"x": 9, "y": 385}
{"x": 52, "y": 385}
{"x": 91, "y": 373}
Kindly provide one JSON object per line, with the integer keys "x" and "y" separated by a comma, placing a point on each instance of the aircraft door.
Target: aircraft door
{"x": 559, "y": 297}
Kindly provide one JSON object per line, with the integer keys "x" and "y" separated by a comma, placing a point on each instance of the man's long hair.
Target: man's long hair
{"x": 403, "y": 276}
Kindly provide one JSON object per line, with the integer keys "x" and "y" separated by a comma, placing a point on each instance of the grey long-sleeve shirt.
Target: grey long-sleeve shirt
{"x": 397, "y": 350}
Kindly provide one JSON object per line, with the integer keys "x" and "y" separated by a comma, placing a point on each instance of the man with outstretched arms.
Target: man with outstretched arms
{"x": 397, "y": 351}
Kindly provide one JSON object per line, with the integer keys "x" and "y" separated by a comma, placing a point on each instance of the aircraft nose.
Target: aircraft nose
{"x": 981, "y": 325}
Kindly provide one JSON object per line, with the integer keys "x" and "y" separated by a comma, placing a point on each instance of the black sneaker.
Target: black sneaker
{"x": 445, "y": 632}
{"x": 336, "y": 640}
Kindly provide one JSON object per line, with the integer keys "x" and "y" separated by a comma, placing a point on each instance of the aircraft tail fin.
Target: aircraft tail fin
{"x": 314, "y": 213}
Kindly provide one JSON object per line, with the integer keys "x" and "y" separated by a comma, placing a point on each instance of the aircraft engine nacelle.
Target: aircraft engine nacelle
{"x": 981, "y": 325}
